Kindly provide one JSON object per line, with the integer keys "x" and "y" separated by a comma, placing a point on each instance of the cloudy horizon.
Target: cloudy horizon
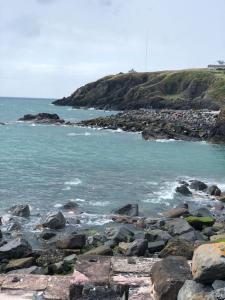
{"x": 48, "y": 48}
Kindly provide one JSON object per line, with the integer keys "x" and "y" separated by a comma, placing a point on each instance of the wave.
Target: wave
{"x": 94, "y": 219}
{"x": 79, "y": 134}
{"x": 99, "y": 203}
{"x": 166, "y": 140}
{"x": 76, "y": 181}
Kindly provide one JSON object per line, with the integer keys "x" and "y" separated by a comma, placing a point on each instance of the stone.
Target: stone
{"x": 156, "y": 246}
{"x": 176, "y": 212}
{"x": 31, "y": 270}
{"x": 45, "y": 118}
{"x": 19, "y": 263}
{"x": 200, "y": 222}
{"x": 54, "y": 221}
{"x": 202, "y": 212}
{"x": 75, "y": 241}
{"x": 208, "y": 231}
{"x": 123, "y": 247}
{"x": 130, "y": 210}
{"x": 137, "y": 248}
{"x": 168, "y": 276}
{"x": 218, "y": 237}
{"x": 101, "y": 250}
{"x": 177, "y": 227}
{"x": 183, "y": 190}
{"x": 157, "y": 235}
{"x": 217, "y": 294}
{"x": 218, "y": 284}
{"x": 222, "y": 197}
{"x": 208, "y": 262}
{"x": 213, "y": 190}
{"x": 71, "y": 205}
{"x": 192, "y": 290}
{"x": 190, "y": 236}
{"x": 120, "y": 234}
{"x": 14, "y": 226}
{"x": 20, "y": 210}
{"x": 177, "y": 247}
{"x": 198, "y": 185}
{"x": 16, "y": 248}
{"x": 47, "y": 234}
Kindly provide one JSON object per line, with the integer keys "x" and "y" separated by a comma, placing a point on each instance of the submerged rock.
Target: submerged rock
{"x": 16, "y": 248}
{"x": 54, "y": 221}
{"x": 168, "y": 276}
{"x": 20, "y": 210}
{"x": 130, "y": 210}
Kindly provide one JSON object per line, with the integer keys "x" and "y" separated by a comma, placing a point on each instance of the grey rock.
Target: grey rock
{"x": 120, "y": 234}
{"x": 192, "y": 290}
{"x": 14, "y": 226}
{"x": 16, "y": 248}
{"x": 75, "y": 241}
{"x": 183, "y": 190}
{"x": 20, "y": 210}
{"x": 54, "y": 221}
{"x": 130, "y": 210}
{"x": 156, "y": 246}
{"x": 47, "y": 234}
{"x": 137, "y": 248}
{"x": 177, "y": 227}
{"x": 198, "y": 185}
{"x": 218, "y": 284}
{"x": 31, "y": 270}
{"x": 177, "y": 247}
{"x": 157, "y": 235}
{"x": 213, "y": 190}
{"x": 202, "y": 212}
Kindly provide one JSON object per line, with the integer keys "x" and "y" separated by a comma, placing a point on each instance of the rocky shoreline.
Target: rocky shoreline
{"x": 168, "y": 242}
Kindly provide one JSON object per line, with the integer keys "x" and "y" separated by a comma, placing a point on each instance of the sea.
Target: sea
{"x": 45, "y": 166}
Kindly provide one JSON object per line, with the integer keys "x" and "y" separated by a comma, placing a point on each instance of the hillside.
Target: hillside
{"x": 185, "y": 89}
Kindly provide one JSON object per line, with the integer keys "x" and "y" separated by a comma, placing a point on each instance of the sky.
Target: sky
{"x": 49, "y": 48}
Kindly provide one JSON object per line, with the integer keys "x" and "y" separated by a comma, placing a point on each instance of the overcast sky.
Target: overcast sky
{"x": 48, "y": 48}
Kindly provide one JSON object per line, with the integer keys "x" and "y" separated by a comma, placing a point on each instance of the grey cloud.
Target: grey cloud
{"x": 46, "y": 1}
{"x": 106, "y": 2}
{"x": 26, "y": 26}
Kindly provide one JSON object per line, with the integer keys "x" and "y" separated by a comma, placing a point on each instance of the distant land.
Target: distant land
{"x": 183, "y": 89}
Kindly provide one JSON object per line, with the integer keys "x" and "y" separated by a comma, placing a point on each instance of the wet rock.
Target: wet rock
{"x": 16, "y": 248}
{"x": 19, "y": 263}
{"x": 157, "y": 235}
{"x": 130, "y": 210}
{"x": 213, "y": 190}
{"x": 218, "y": 284}
{"x": 183, "y": 190}
{"x": 71, "y": 205}
{"x": 156, "y": 246}
{"x": 218, "y": 294}
{"x": 176, "y": 212}
{"x": 222, "y": 197}
{"x": 202, "y": 212}
{"x": 101, "y": 250}
{"x": 20, "y": 210}
{"x": 44, "y": 118}
{"x": 14, "y": 226}
{"x": 208, "y": 231}
{"x": 177, "y": 227}
{"x": 198, "y": 185}
{"x": 168, "y": 276}
{"x": 208, "y": 263}
{"x": 47, "y": 234}
{"x": 75, "y": 241}
{"x": 178, "y": 247}
{"x": 54, "y": 221}
{"x": 120, "y": 234}
{"x": 137, "y": 248}
{"x": 200, "y": 222}
{"x": 192, "y": 290}
{"x": 0, "y": 234}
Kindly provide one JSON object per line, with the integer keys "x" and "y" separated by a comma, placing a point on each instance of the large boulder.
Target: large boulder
{"x": 183, "y": 190}
{"x": 202, "y": 212}
{"x": 45, "y": 118}
{"x": 198, "y": 185}
{"x": 20, "y": 210}
{"x": 176, "y": 212}
{"x": 208, "y": 262}
{"x": 16, "y": 248}
{"x": 54, "y": 221}
{"x": 213, "y": 190}
{"x": 137, "y": 248}
{"x": 101, "y": 250}
{"x": 200, "y": 222}
{"x": 75, "y": 241}
{"x": 120, "y": 234}
{"x": 177, "y": 227}
{"x": 192, "y": 290}
{"x": 130, "y": 210}
{"x": 70, "y": 205}
{"x": 157, "y": 235}
{"x": 156, "y": 246}
{"x": 20, "y": 263}
{"x": 168, "y": 276}
{"x": 178, "y": 247}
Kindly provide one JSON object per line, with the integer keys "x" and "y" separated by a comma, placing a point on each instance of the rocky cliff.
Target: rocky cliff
{"x": 185, "y": 89}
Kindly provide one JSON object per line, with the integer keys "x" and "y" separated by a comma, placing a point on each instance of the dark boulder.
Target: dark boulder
{"x": 75, "y": 241}
{"x": 71, "y": 205}
{"x": 213, "y": 190}
{"x": 45, "y": 118}
{"x": 20, "y": 210}
{"x": 16, "y": 248}
{"x": 137, "y": 248}
{"x": 178, "y": 247}
{"x": 47, "y": 234}
{"x": 156, "y": 246}
{"x": 168, "y": 276}
{"x": 157, "y": 235}
{"x": 198, "y": 185}
{"x": 176, "y": 212}
{"x": 177, "y": 227}
{"x": 54, "y": 221}
{"x": 120, "y": 234}
{"x": 183, "y": 190}
{"x": 130, "y": 210}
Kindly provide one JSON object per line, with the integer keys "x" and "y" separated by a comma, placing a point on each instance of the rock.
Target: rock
{"x": 198, "y": 185}
{"x": 44, "y": 118}
{"x": 222, "y": 197}
{"x": 120, "y": 234}
{"x": 101, "y": 250}
{"x": 49, "y": 257}
{"x": 70, "y": 258}
{"x": 130, "y": 210}
{"x": 20, "y": 210}
{"x": 96, "y": 240}
{"x": 218, "y": 237}
{"x": 208, "y": 263}
{"x": 123, "y": 247}
{"x": 200, "y": 222}
{"x": 20, "y": 263}
{"x": 16, "y": 248}
{"x": 218, "y": 294}
{"x": 75, "y": 241}
{"x": 177, "y": 247}
{"x": 47, "y": 234}
{"x": 0, "y": 234}
{"x": 176, "y": 212}
{"x": 190, "y": 236}
{"x": 15, "y": 226}
{"x": 156, "y": 246}
{"x": 208, "y": 231}
{"x": 157, "y": 235}
{"x": 168, "y": 276}
{"x": 218, "y": 284}
{"x": 54, "y": 221}
{"x": 137, "y": 248}
{"x": 31, "y": 270}
{"x": 202, "y": 212}
{"x": 183, "y": 190}
{"x": 192, "y": 290}
{"x": 71, "y": 205}
{"x": 213, "y": 190}
{"x": 177, "y": 227}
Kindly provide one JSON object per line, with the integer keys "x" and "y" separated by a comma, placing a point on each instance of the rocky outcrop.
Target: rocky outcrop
{"x": 17, "y": 248}
{"x": 54, "y": 221}
{"x": 43, "y": 118}
{"x": 185, "y": 89}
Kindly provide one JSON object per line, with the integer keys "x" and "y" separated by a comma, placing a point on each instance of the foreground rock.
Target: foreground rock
{"x": 130, "y": 210}
{"x": 16, "y": 248}
{"x": 43, "y": 118}
{"x": 192, "y": 290}
{"x": 168, "y": 276}
{"x": 208, "y": 263}
{"x": 20, "y": 210}
{"x": 54, "y": 221}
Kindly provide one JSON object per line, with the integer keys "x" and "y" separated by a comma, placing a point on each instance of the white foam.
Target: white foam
{"x": 99, "y": 203}
{"x": 79, "y": 200}
{"x": 57, "y": 205}
{"x": 67, "y": 188}
{"x": 79, "y": 134}
{"x": 95, "y": 219}
{"x": 76, "y": 181}
{"x": 165, "y": 140}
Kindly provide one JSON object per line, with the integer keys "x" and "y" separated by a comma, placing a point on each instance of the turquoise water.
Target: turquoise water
{"x": 46, "y": 166}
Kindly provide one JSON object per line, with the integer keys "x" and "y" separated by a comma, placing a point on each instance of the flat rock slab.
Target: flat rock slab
{"x": 25, "y": 282}
{"x": 58, "y": 288}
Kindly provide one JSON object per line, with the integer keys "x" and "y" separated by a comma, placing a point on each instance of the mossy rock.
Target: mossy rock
{"x": 200, "y": 222}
